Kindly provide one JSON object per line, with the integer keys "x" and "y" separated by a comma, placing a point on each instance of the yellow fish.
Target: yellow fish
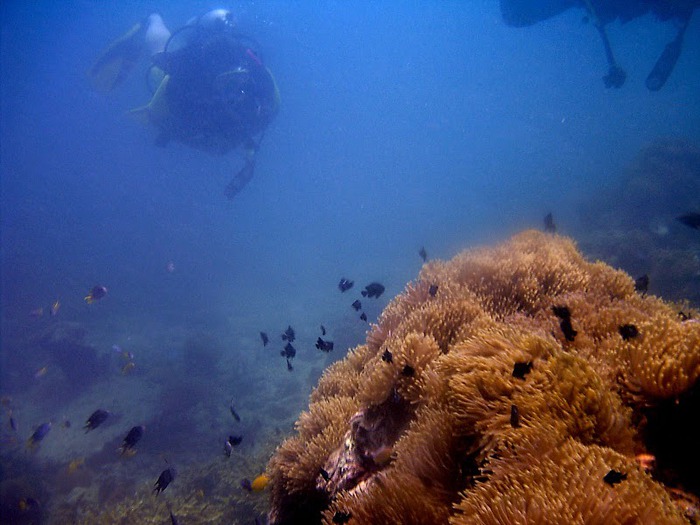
{"x": 260, "y": 483}
{"x": 54, "y": 307}
{"x": 128, "y": 368}
{"x": 75, "y": 465}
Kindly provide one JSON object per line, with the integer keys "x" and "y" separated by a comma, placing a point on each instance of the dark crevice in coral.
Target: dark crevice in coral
{"x": 379, "y": 428}
{"x": 669, "y": 434}
{"x": 306, "y": 509}
{"x": 468, "y": 469}
{"x": 369, "y": 443}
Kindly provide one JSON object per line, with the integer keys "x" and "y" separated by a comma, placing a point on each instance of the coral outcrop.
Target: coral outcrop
{"x": 516, "y": 384}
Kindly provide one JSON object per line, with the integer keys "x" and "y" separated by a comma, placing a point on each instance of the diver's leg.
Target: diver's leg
{"x": 116, "y": 62}
{"x": 616, "y": 75}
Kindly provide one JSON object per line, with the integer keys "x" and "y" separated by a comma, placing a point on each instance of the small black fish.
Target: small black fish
{"x": 96, "y": 293}
{"x": 133, "y": 437}
{"x": 235, "y": 440}
{"x": 363, "y": 316}
{"x": 514, "y": 416}
{"x": 549, "y": 225}
{"x": 66, "y": 423}
{"x": 325, "y": 346}
{"x": 692, "y": 220}
{"x": 641, "y": 284}
{"x": 373, "y": 290}
{"x": 562, "y": 312}
{"x": 166, "y": 477}
{"x": 569, "y": 332}
{"x": 387, "y": 357}
{"x": 246, "y": 485}
{"x": 233, "y": 412}
{"x": 683, "y": 316}
{"x": 98, "y": 417}
{"x": 433, "y": 290}
{"x": 521, "y": 369}
{"x": 323, "y": 330}
{"x": 357, "y": 305}
{"x": 423, "y": 254}
{"x": 324, "y": 474}
{"x": 288, "y": 334}
{"x": 13, "y": 424}
{"x": 289, "y": 351}
{"x": 628, "y": 331}
{"x": 408, "y": 371}
{"x": 264, "y": 338}
{"x": 341, "y": 517}
{"x": 289, "y": 365}
{"x": 613, "y": 477}
{"x": 344, "y": 285}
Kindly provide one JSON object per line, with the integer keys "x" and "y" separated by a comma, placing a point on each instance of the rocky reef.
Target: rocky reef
{"x": 515, "y": 384}
{"x": 632, "y": 224}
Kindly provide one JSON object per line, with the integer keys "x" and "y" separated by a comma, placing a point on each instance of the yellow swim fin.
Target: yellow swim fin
{"x": 118, "y": 60}
{"x": 157, "y": 111}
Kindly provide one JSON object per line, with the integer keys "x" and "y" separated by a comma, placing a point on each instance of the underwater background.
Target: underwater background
{"x": 403, "y": 125}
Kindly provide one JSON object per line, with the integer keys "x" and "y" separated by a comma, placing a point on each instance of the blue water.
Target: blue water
{"x": 402, "y": 125}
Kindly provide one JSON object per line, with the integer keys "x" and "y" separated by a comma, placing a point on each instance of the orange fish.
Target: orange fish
{"x": 646, "y": 461}
{"x": 260, "y": 483}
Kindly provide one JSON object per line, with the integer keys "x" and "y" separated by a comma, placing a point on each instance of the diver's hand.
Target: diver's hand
{"x": 616, "y": 77}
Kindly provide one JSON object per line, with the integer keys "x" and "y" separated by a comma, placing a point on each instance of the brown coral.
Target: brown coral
{"x": 473, "y": 397}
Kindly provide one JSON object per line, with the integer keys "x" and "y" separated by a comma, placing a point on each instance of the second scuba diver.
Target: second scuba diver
{"x": 211, "y": 90}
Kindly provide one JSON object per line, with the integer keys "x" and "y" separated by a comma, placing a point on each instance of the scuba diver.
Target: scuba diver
{"x": 521, "y": 13}
{"x": 211, "y": 90}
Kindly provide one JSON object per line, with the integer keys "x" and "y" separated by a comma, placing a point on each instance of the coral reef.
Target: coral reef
{"x": 516, "y": 384}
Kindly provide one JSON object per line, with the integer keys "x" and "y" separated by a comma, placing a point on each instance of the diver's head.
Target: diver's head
{"x": 217, "y": 19}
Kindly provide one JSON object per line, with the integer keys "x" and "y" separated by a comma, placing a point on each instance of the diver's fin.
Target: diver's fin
{"x": 118, "y": 60}
{"x": 240, "y": 180}
{"x": 157, "y": 110}
{"x": 667, "y": 61}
